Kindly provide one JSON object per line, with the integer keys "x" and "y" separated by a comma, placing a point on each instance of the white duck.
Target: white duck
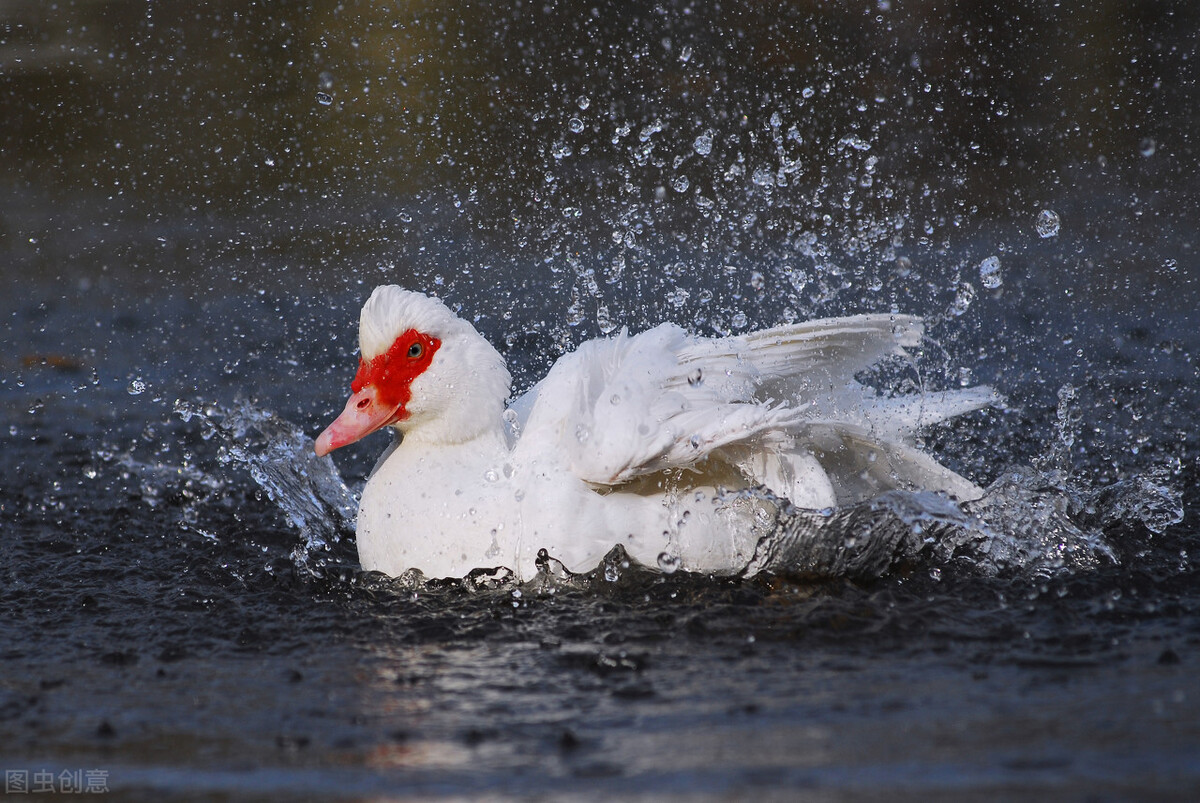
{"x": 630, "y": 440}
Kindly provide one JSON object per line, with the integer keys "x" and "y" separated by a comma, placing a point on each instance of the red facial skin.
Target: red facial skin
{"x": 381, "y": 389}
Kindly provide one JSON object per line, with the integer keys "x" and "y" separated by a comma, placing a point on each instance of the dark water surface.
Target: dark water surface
{"x": 196, "y": 202}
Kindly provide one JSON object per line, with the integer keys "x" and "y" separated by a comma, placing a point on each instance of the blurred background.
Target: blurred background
{"x": 1022, "y": 173}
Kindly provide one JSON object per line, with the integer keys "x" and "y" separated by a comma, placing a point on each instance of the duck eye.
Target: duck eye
{"x": 415, "y": 351}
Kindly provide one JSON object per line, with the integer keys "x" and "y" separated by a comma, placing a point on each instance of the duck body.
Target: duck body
{"x": 633, "y": 440}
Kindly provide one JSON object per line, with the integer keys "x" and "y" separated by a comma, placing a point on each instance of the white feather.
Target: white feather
{"x": 592, "y": 454}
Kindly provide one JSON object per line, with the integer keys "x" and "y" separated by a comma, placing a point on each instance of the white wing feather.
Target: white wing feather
{"x": 633, "y": 405}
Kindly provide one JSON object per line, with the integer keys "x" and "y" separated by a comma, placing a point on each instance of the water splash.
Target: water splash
{"x": 1029, "y": 523}
{"x": 1033, "y": 527}
{"x": 183, "y": 485}
{"x": 1145, "y": 500}
{"x": 279, "y": 457}
{"x": 861, "y": 541}
{"x": 1032, "y": 523}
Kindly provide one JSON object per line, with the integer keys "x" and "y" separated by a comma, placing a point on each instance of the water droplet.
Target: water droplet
{"x": 615, "y": 399}
{"x": 696, "y": 378}
{"x": 668, "y": 563}
{"x": 582, "y": 433}
{"x": 604, "y": 320}
{"x": 989, "y": 273}
{"x": 677, "y": 296}
{"x": 763, "y": 177}
{"x": 611, "y": 574}
{"x": 650, "y": 130}
{"x": 680, "y": 183}
{"x": 703, "y": 144}
{"x": 685, "y": 54}
{"x": 1047, "y": 223}
{"x": 324, "y": 98}
{"x": 808, "y": 92}
{"x": 583, "y": 102}
{"x": 1147, "y": 146}
{"x": 490, "y": 475}
{"x": 963, "y": 299}
{"x": 857, "y": 143}
{"x": 739, "y": 320}
{"x": 575, "y": 124}
{"x": 757, "y": 281}
{"x": 936, "y": 573}
{"x": 137, "y": 387}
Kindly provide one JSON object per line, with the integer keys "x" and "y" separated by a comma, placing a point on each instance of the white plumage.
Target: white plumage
{"x": 628, "y": 440}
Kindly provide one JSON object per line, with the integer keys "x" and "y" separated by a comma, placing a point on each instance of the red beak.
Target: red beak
{"x": 363, "y": 415}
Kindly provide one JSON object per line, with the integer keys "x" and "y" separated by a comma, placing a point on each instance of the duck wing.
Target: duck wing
{"x": 632, "y": 405}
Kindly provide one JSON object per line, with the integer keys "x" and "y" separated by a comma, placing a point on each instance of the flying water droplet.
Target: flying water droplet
{"x": 678, "y": 296}
{"x": 575, "y": 124}
{"x": 668, "y": 563}
{"x": 1147, "y": 147}
{"x": 324, "y": 98}
{"x": 962, "y": 299}
{"x": 685, "y": 54}
{"x": 604, "y": 320}
{"x": 763, "y": 177}
{"x": 1047, "y": 223}
{"x": 583, "y": 102}
{"x": 989, "y": 273}
{"x": 650, "y": 130}
{"x": 680, "y": 183}
{"x": 703, "y": 144}
{"x": 137, "y": 387}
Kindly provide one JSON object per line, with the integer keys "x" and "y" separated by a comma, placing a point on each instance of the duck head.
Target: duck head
{"x": 423, "y": 371}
